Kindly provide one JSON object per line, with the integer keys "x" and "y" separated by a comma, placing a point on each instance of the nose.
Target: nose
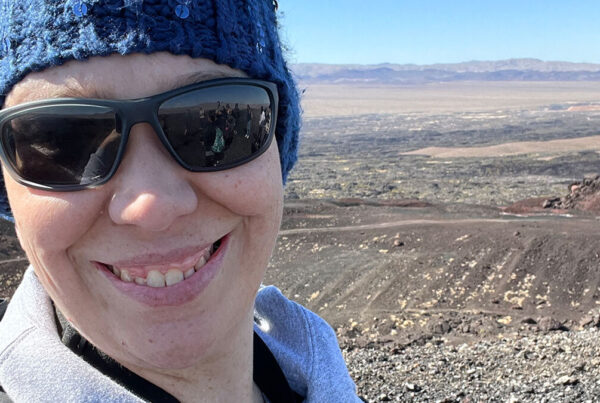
{"x": 150, "y": 190}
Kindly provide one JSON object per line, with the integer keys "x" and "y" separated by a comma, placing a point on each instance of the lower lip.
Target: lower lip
{"x": 174, "y": 295}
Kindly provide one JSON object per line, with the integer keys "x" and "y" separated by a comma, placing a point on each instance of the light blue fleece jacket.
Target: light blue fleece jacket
{"x": 36, "y": 367}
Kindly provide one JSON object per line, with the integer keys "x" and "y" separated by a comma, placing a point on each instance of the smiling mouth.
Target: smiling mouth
{"x": 164, "y": 275}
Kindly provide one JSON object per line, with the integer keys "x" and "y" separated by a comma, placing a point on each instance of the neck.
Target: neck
{"x": 223, "y": 374}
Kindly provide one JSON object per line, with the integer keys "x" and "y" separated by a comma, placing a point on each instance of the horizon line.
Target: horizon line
{"x": 447, "y": 63}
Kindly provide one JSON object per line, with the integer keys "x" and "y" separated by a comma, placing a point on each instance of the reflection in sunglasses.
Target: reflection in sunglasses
{"x": 101, "y": 161}
{"x": 214, "y": 134}
{"x": 49, "y": 146}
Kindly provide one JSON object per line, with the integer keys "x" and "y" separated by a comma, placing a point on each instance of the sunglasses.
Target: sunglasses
{"x": 72, "y": 144}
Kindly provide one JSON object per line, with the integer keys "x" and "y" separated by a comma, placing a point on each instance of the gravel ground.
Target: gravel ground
{"x": 551, "y": 367}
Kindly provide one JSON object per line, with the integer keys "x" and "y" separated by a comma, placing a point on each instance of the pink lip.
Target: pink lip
{"x": 174, "y": 295}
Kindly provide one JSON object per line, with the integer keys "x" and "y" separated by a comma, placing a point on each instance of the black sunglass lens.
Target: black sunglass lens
{"x": 62, "y": 145}
{"x": 218, "y": 126}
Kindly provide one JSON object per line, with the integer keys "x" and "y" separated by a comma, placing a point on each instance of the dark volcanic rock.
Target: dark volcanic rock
{"x": 547, "y": 324}
{"x": 440, "y": 327}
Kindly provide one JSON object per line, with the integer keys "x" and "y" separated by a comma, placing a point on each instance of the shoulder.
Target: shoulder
{"x": 283, "y": 319}
{"x": 34, "y": 364}
{"x": 3, "y": 304}
{"x": 305, "y": 347}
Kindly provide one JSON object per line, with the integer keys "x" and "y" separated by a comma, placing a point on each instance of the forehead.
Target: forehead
{"x": 117, "y": 77}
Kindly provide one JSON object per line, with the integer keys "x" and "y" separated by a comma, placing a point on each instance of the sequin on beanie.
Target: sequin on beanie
{"x": 37, "y": 34}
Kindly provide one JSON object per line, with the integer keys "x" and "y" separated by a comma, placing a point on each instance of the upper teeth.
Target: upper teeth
{"x": 155, "y": 278}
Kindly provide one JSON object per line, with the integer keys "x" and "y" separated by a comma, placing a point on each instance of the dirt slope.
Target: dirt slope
{"x": 403, "y": 273}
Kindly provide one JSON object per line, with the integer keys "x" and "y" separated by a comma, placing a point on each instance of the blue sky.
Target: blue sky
{"x": 440, "y": 31}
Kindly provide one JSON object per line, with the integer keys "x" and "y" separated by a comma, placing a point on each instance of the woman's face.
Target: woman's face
{"x": 152, "y": 216}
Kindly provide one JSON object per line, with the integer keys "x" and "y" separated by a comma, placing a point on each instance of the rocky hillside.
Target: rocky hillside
{"x": 582, "y": 197}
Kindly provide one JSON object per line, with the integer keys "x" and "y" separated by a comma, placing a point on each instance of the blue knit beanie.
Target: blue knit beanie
{"x": 37, "y": 34}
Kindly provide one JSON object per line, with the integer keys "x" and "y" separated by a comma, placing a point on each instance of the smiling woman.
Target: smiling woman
{"x": 134, "y": 137}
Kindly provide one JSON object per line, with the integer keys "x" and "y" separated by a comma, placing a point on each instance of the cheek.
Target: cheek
{"x": 249, "y": 190}
{"x": 51, "y": 221}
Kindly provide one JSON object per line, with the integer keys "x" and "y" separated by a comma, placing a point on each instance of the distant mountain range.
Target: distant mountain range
{"x": 407, "y": 74}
